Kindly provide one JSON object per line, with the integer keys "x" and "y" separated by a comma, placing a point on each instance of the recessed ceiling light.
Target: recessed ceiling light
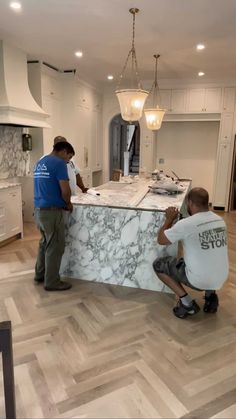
{"x": 78, "y": 53}
{"x": 15, "y": 5}
{"x": 110, "y": 77}
{"x": 200, "y": 47}
{"x": 201, "y": 74}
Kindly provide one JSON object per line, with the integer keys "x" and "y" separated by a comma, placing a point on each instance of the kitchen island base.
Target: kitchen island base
{"x": 114, "y": 246}
{"x": 112, "y": 238}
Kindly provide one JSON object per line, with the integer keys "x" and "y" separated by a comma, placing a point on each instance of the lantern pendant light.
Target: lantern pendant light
{"x": 154, "y": 115}
{"x": 131, "y": 100}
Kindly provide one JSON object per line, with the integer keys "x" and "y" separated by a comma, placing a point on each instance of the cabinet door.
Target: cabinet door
{"x": 178, "y": 101}
{"x": 165, "y": 100}
{"x": 213, "y": 100}
{"x": 196, "y": 100}
{"x": 222, "y": 175}
{"x": 99, "y": 143}
{"x": 51, "y": 86}
{"x": 226, "y": 127}
{"x": 83, "y": 137}
{"x": 229, "y": 99}
{"x": 53, "y": 108}
{"x": 14, "y": 211}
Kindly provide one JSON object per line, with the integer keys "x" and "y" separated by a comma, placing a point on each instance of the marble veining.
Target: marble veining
{"x": 13, "y": 161}
{"x": 115, "y": 246}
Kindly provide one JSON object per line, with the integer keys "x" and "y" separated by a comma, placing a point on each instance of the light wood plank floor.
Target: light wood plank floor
{"x": 101, "y": 351}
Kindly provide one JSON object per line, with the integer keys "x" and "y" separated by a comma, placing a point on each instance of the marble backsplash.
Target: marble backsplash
{"x": 13, "y": 161}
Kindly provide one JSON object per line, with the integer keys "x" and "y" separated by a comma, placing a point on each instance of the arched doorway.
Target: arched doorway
{"x": 124, "y": 137}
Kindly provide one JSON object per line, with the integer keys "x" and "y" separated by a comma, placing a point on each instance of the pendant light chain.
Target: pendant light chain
{"x": 134, "y": 63}
{"x": 155, "y": 86}
{"x": 154, "y": 116}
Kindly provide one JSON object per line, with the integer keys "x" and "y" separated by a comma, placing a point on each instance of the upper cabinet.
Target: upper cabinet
{"x": 192, "y": 100}
{"x": 165, "y": 99}
{"x": 51, "y": 86}
{"x": 51, "y": 103}
{"x": 204, "y": 100}
{"x": 173, "y": 100}
{"x": 226, "y": 127}
{"x": 229, "y": 99}
{"x": 178, "y": 100}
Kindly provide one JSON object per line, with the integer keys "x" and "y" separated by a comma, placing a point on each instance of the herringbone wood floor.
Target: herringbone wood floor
{"x": 101, "y": 351}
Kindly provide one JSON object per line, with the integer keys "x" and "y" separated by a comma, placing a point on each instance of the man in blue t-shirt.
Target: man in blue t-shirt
{"x": 51, "y": 197}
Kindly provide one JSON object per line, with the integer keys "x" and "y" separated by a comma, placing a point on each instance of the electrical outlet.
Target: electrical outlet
{"x": 161, "y": 161}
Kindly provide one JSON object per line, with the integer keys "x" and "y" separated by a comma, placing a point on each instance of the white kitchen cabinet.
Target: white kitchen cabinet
{"x": 51, "y": 103}
{"x": 226, "y": 127}
{"x": 165, "y": 100}
{"x": 178, "y": 100}
{"x": 96, "y": 141}
{"x": 83, "y": 135}
{"x": 52, "y": 106}
{"x": 204, "y": 100}
{"x": 174, "y": 100}
{"x": 51, "y": 85}
{"x": 223, "y": 169}
{"x": 228, "y": 99}
{"x": 196, "y": 100}
{"x": 10, "y": 212}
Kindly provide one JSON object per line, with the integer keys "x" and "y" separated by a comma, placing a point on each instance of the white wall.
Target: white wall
{"x": 189, "y": 148}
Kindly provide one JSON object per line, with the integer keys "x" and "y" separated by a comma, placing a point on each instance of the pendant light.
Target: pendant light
{"x": 131, "y": 100}
{"x": 154, "y": 115}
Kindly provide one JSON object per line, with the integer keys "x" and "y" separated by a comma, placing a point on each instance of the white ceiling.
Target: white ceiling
{"x": 52, "y": 30}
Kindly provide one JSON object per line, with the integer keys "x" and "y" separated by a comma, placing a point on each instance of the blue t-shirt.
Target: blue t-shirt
{"x": 48, "y": 171}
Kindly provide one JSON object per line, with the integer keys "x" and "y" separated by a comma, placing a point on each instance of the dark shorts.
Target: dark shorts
{"x": 173, "y": 267}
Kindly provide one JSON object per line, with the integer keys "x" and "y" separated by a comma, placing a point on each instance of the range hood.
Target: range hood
{"x": 17, "y": 106}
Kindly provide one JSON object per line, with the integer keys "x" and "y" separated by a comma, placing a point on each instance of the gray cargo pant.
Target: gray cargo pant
{"x": 51, "y": 245}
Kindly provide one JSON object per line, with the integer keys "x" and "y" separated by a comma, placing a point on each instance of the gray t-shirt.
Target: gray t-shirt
{"x": 204, "y": 239}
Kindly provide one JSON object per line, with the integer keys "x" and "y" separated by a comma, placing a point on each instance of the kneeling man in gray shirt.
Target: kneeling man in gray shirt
{"x": 205, "y": 262}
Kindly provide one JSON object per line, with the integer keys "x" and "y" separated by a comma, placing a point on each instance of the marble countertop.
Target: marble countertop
{"x": 5, "y": 185}
{"x": 134, "y": 195}
{"x": 161, "y": 202}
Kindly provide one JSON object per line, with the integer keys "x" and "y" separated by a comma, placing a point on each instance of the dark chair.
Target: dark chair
{"x": 8, "y": 370}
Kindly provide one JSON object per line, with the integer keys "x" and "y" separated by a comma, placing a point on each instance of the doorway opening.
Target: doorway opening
{"x": 124, "y": 141}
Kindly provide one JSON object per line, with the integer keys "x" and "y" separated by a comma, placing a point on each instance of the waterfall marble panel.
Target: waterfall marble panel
{"x": 13, "y": 161}
{"x": 115, "y": 246}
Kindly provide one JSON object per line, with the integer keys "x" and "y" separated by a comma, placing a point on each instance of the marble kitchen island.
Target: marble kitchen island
{"x": 112, "y": 238}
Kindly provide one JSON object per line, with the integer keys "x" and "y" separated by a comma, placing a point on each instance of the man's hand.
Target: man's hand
{"x": 171, "y": 214}
{"x": 69, "y": 207}
{"x": 84, "y": 190}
